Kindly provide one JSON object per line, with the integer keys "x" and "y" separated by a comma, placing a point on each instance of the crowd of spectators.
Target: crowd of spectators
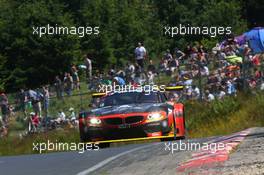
{"x": 206, "y": 75}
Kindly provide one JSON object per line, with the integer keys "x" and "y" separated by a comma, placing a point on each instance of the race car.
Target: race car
{"x": 132, "y": 115}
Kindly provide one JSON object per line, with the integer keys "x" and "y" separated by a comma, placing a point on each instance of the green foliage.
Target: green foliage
{"x": 32, "y": 60}
{"x": 27, "y": 60}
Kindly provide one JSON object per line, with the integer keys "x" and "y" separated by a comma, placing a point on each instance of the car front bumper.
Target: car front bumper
{"x": 151, "y": 129}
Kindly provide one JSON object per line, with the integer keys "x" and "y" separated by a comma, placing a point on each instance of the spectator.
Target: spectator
{"x": 131, "y": 68}
{"x": 58, "y": 87}
{"x": 72, "y": 115}
{"x": 140, "y": 54}
{"x": 208, "y": 96}
{"x": 65, "y": 76}
{"x": 75, "y": 78}
{"x": 37, "y": 105}
{"x": 201, "y": 49}
{"x": 151, "y": 67}
{"x": 187, "y": 51}
{"x": 34, "y": 122}
{"x": 256, "y": 60}
{"x": 61, "y": 117}
{"x": 68, "y": 83}
{"x": 112, "y": 71}
{"x": 4, "y": 107}
{"x": 257, "y": 74}
{"x": 205, "y": 71}
{"x": 167, "y": 55}
{"x": 195, "y": 92}
{"x": 150, "y": 76}
{"x": 247, "y": 59}
{"x": 88, "y": 64}
{"x": 187, "y": 80}
{"x": 46, "y": 97}
{"x": 173, "y": 64}
{"x": 129, "y": 71}
{"x": 119, "y": 81}
{"x": 252, "y": 83}
{"x": 121, "y": 73}
{"x": 189, "y": 92}
{"x": 179, "y": 54}
{"x": 36, "y": 97}
{"x": 3, "y": 128}
{"x": 262, "y": 86}
{"x": 163, "y": 66}
{"x": 139, "y": 77}
{"x": 231, "y": 90}
{"x": 221, "y": 94}
{"x": 22, "y": 101}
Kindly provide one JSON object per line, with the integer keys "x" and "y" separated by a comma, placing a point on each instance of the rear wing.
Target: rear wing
{"x": 98, "y": 94}
{"x": 167, "y": 89}
{"x": 174, "y": 88}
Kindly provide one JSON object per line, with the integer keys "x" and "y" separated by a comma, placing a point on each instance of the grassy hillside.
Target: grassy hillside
{"x": 227, "y": 116}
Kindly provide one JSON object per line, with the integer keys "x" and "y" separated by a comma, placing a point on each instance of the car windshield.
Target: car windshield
{"x": 129, "y": 98}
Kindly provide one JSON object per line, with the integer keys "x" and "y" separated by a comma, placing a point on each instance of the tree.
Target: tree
{"x": 32, "y": 60}
{"x": 29, "y": 60}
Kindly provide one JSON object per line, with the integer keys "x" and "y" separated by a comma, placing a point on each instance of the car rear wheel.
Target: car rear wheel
{"x": 84, "y": 137}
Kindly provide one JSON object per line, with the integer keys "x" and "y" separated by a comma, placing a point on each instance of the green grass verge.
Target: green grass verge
{"x": 202, "y": 120}
{"x": 16, "y": 146}
{"x": 224, "y": 117}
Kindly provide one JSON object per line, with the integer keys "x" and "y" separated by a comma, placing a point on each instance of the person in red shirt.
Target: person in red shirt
{"x": 256, "y": 60}
{"x": 257, "y": 74}
{"x": 35, "y": 121}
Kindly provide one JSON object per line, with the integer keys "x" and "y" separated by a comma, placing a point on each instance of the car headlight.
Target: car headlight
{"x": 155, "y": 116}
{"x": 95, "y": 121}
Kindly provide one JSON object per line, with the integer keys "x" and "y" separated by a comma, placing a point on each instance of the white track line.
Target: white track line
{"x": 106, "y": 161}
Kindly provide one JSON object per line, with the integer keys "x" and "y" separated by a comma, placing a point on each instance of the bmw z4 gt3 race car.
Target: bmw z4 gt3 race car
{"x": 133, "y": 115}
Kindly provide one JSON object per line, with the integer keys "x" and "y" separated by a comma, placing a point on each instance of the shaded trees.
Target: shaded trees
{"x": 28, "y": 60}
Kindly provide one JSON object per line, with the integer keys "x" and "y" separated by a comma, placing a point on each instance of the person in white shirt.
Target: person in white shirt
{"x": 209, "y": 97}
{"x": 140, "y": 54}
{"x": 150, "y": 77}
{"x": 205, "y": 71}
{"x": 262, "y": 86}
{"x": 131, "y": 68}
{"x": 61, "y": 117}
{"x": 221, "y": 95}
{"x": 195, "y": 92}
{"x": 88, "y": 64}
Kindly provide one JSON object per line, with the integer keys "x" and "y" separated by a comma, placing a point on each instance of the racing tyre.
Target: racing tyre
{"x": 84, "y": 137}
{"x": 104, "y": 145}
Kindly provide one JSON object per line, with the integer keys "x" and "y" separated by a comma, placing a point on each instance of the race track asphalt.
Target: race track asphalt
{"x": 71, "y": 163}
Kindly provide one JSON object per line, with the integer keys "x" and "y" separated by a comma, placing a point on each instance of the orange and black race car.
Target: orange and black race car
{"x": 133, "y": 115}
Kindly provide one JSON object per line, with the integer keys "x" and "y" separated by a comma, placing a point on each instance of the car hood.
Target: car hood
{"x": 129, "y": 108}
